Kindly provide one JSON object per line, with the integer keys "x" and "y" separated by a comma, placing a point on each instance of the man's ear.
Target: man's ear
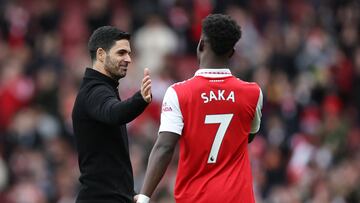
{"x": 100, "y": 54}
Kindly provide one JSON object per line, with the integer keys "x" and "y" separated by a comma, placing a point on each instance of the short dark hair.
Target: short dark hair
{"x": 222, "y": 32}
{"x": 104, "y": 37}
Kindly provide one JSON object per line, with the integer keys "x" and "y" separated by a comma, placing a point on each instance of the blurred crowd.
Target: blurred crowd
{"x": 305, "y": 55}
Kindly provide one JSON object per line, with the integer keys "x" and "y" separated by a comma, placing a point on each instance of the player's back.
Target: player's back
{"x": 217, "y": 114}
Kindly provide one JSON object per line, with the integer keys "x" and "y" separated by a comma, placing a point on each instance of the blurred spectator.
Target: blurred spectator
{"x": 16, "y": 90}
{"x": 153, "y": 42}
{"x": 99, "y": 14}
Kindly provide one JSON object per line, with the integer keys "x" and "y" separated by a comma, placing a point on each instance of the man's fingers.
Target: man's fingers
{"x": 146, "y": 86}
{"x": 146, "y": 83}
{"x": 146, "y": 78}
{"x": 147, "y": 89}
{"x": 146, "y": 92}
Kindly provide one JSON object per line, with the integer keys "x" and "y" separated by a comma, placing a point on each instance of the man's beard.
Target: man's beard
{"x": 112, "y": 68}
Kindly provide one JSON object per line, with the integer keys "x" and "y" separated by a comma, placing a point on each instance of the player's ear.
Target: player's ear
{"x": 100, "y": 54}
{"x": 201, "y": 45}
{"x": 231, "y": 52}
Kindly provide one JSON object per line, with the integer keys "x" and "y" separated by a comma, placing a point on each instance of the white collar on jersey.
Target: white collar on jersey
{"x": 213, "y": 73}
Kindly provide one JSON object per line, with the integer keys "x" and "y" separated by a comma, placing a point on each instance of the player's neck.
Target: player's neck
{"x": 214, "y": 64}
{"x": 210, "y": 61}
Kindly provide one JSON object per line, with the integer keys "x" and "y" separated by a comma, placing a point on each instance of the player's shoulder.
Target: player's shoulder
{"x": 183, "y": 83}
{"x": 246, "y": 84}
{"x": 184, "y": 88}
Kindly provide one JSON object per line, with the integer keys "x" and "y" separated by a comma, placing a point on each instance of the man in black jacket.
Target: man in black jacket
{"x": 100, "y": 117}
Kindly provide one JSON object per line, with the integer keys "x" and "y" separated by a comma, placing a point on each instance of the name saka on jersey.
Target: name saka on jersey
{"x": 217, "y": 96}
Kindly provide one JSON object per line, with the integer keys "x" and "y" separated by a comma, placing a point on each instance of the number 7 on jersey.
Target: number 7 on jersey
{"x": 224, "y": 120}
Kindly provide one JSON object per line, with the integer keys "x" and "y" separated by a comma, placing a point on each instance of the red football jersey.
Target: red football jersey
{"x": 213, "y": 112}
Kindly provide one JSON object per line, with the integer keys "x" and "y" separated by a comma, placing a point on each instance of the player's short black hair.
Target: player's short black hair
{"x": 222, "y": 32}
{"x": 104, "y": 37}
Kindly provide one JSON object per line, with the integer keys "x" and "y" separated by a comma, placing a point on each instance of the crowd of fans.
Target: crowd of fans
{"x": 305, "y": 55}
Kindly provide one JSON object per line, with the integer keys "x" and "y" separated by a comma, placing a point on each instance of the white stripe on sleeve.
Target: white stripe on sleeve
{"x": 255, "y": 126}
{"x": 171, "y": 117}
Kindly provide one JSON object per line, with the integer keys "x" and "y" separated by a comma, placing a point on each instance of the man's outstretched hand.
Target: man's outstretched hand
{"x": 146, "y": 86}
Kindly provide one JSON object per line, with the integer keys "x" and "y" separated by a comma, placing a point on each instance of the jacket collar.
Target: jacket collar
{"x": 94, "y": 74}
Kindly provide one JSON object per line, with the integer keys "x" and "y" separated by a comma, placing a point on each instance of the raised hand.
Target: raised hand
{"x": 146, "y": 86}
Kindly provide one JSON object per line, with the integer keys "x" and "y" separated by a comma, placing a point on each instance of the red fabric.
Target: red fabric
{"x": 332, "y": 105}
{"x": 13, "y": 96}
{"x": 344, "y": 75}
{"x": 229, "y": 179}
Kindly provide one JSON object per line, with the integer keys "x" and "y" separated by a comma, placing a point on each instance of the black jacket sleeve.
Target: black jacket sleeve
{"x": 103, "y": 105}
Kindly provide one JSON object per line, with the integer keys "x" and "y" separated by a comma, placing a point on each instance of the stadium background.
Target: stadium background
{"x": 304, "y": 54}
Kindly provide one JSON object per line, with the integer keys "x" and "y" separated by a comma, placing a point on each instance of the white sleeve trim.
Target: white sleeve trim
{"x": 171, "y": 116}
{"x": 255, "y": 126}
